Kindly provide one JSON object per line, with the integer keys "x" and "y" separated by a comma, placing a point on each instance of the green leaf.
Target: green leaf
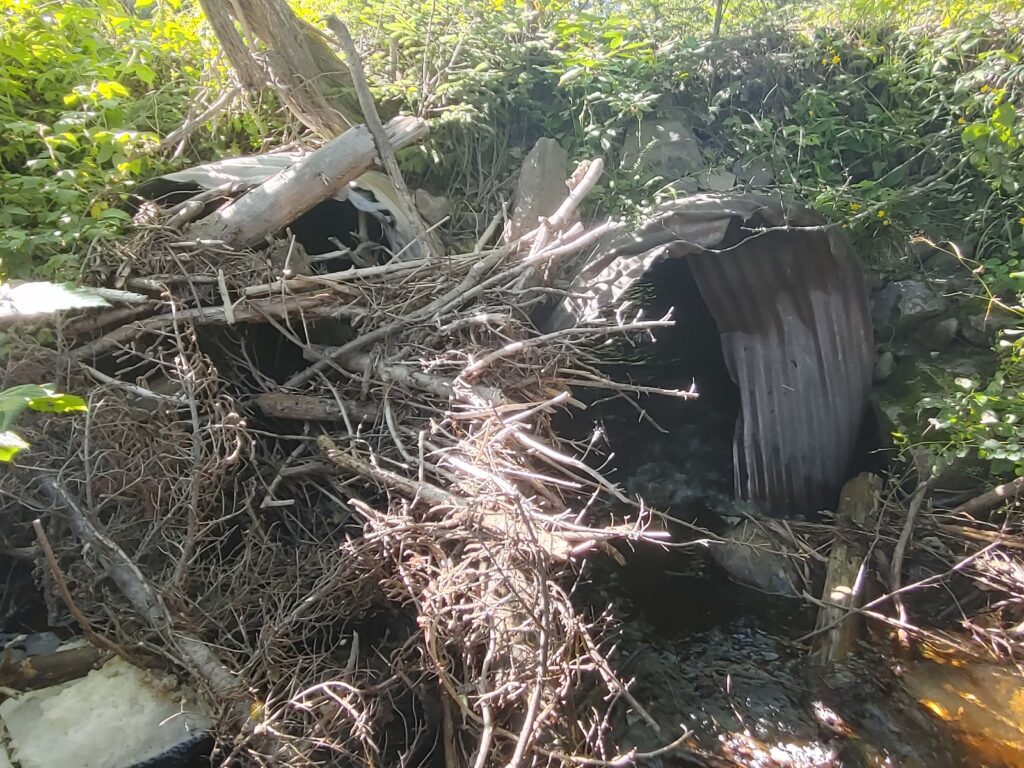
{"x": 10, "y": 446}
{"x": 15, "y": 400}
{"x": 111, "y": 89}
{"x": 57, "y": 403}
{"x": 570, "y": 75}
{"x": 1005, "y": 115}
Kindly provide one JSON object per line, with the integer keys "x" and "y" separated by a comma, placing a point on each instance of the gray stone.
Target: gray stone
{"x": 884, "y": 366}
{"x": 541, "y": 187}
{"x": 664, "y": 146}
{"x": 903, "y": 305}
{"x": 683, "y": 187}
{"x": 982, "y": 328}
{"x": 717, "y": 180}
{"x": 752, "y": 557}
{"x": 753, "y": 174}
{"x": 433, "y": 208}
{"x": 938, "y": 334}
{"x": 947, "y": 271}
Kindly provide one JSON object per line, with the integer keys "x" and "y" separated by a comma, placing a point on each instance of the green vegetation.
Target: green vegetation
{"x": 899, "y": 119}
{"x": 14, "y": 402}
{"x": 86, "y": 92}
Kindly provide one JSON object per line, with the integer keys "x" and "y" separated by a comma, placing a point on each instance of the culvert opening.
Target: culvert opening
{"x": 772, "y": 325}
{"x": 675, "y": 453}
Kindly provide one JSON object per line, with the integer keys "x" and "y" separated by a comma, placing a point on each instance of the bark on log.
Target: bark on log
{"x": 311, "y": 80}
{"x": 844, "y": 584}
{"x": 42, "y": 671}
{"x": 986, "y": 502}
{"x": 305, "y": 408}
{"x": 281, "y": 199}
{"x": 251, "y": 75}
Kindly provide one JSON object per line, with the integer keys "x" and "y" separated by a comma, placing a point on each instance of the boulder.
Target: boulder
{"x": 751, "y": 556}
{"x": 717, "y": 180}
{"x": 541, "y": 188}
{"x": 884, "y": 366}
{"x": 664, "y": 146}
{"x": 433, "y": 208}
{"x": 938, "y": 334}
{"x": 981, "y": 328}
{"x": 903, "y": 305}
{"x": 753, "y": 174}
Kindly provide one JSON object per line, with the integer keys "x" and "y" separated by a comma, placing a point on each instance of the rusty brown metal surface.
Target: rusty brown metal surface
{"x": 791, "y": 306}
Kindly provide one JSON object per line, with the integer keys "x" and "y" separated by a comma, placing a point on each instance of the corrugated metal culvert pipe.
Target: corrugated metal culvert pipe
{"x": 789, "y": 301}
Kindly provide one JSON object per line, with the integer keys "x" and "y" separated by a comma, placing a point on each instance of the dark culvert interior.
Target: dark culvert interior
{"x": 678, "y": 456}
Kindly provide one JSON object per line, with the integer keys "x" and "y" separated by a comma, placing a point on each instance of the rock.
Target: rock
{"x": 541, "y": 188}
{"x": 752, "y": 557}
{"x": 683, "y": 187}
{"x": 664, "y": 146}
{"x": 947, "y": 271}
{"x": 903, "y": 305}
{"x": 115, "y": 717}
{"x": 717, "y": 180}
{"x": 982, "y": 328}
{"x": 938, "y": 334}
{"x": 884, "y": 366}
{"x": 753, "y": 174}
{"x": 433, "y": 208}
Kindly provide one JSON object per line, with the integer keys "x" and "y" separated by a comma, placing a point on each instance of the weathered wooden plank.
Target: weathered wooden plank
{"x": 837, "y": 628}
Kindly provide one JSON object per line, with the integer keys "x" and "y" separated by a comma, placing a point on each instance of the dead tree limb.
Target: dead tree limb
{"x": 285, "y": 405}
{"x": 311, "y": 80}
{"x": 253, "y": 311}
{"x": 180, "y": 134}
{"x": 281, "y": 199}
{"x": 989, "y": 500}
{"x": 223, "y": 685}
{"x": 45, "y": 670}
{"x": 380, "y": 139}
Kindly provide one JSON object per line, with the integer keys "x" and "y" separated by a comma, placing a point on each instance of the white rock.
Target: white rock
{"x": 114, "y": 717}
{"x": 541, "y": 188}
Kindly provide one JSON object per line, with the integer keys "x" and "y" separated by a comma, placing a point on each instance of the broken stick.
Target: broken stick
{"x": 285, "y": 405}
{"x": 384, "y": 148}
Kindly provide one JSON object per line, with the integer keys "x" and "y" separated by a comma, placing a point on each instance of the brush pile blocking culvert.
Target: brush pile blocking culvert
{"x": 340, "y": 494}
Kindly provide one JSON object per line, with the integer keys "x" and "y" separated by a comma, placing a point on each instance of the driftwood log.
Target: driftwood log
{"x": 248, "y": 221}
{"x": 838, "y": 624}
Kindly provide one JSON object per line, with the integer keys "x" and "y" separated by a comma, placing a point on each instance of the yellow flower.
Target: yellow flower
{"x": 887, "y": 222}
{"x": 854, "y": 206}
{"x": 961, "y": 120}
{"x": 1021, "y": 220}
{"x": 881, "y": 214}
{"x": 985, "y": 88}
{"x": 836, "y": 59}
{"x": 824, "y": 60}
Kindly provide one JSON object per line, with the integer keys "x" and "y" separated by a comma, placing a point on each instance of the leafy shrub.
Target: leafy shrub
{"x": 86, "y": 92}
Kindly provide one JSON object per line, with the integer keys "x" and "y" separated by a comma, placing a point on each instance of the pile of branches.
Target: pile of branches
{"x": 360, "y": 552}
